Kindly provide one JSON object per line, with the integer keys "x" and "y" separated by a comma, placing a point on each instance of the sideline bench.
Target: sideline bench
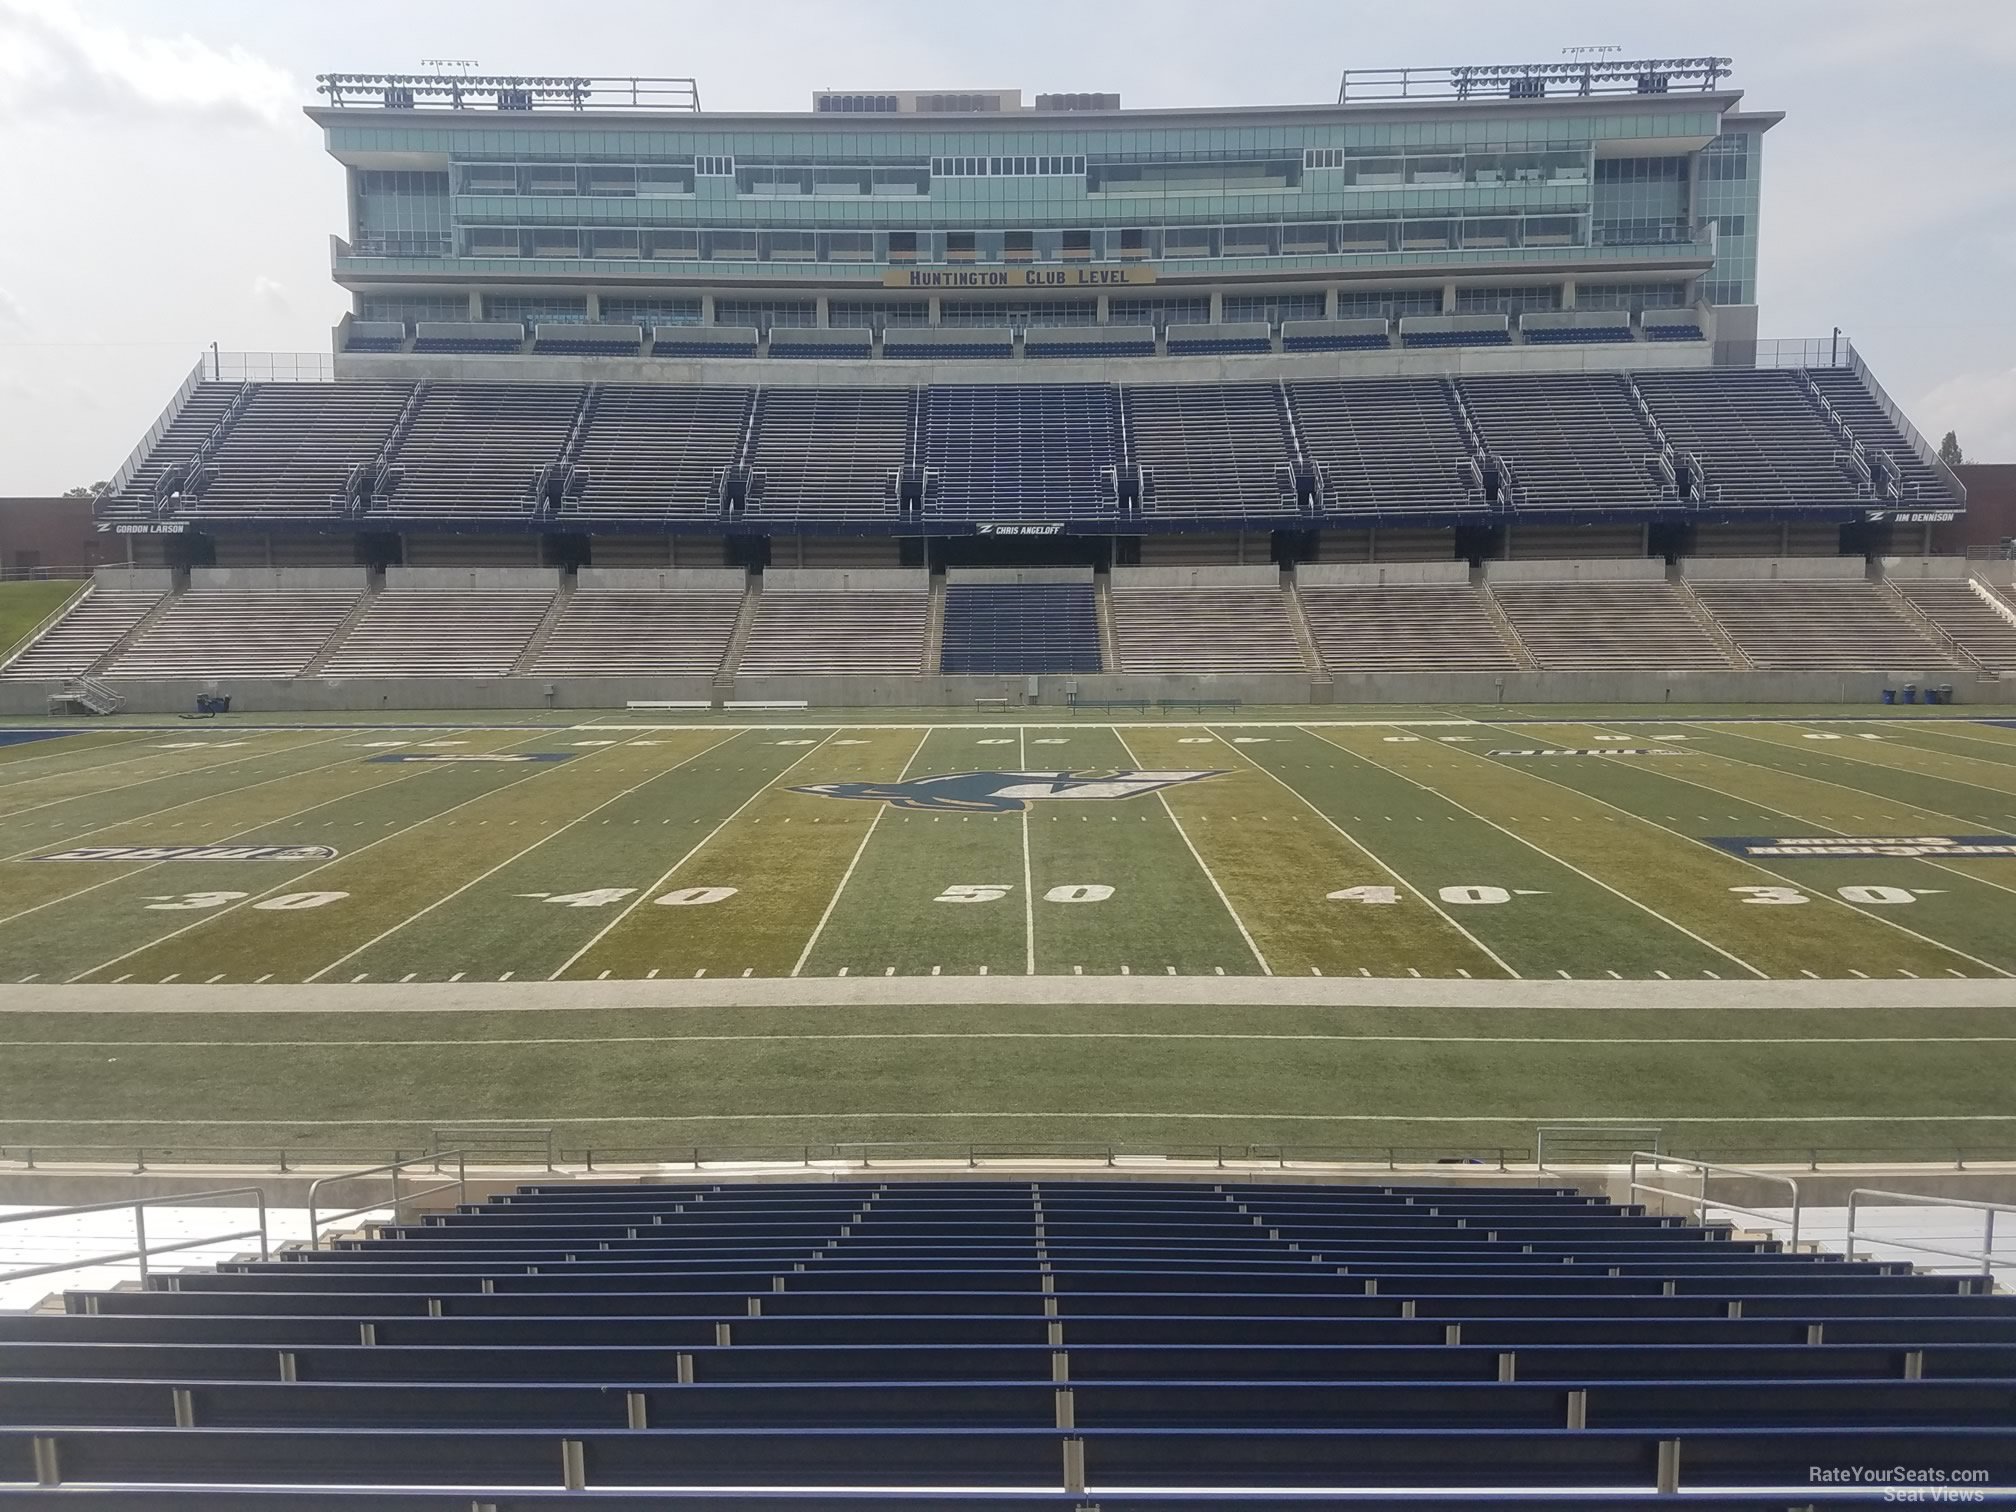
{"x": 686, "y": 704}
{"x": 767, "y": 703}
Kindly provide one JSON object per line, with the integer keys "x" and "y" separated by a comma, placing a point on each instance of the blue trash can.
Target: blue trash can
{"x": 1910, "y": 693}
{"x": 1889, "y": 695}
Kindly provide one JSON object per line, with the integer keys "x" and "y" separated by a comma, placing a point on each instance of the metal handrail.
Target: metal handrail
{"x": 1707, "y": 1168}
{"x": 1613, "y": 1134}
{"x": 142, "y": 1249}
{"x": 1985, "y": 1255}
{"x": 316, "y": 1218}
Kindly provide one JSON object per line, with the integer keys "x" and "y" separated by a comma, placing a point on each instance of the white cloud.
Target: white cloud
{"x": 271, "y": 294}
{"x": 1980, "y": 408}
{"x": 55, "y": 60}
{"x": 13, "y": 319}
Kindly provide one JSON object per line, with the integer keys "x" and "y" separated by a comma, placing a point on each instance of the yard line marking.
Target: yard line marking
{"x": 207, "y": 766}
{"x": 295, "y": 881}
{"x": 1574, "y": 1119}
{"x": 651, "y": 975}
{"x": 848, "y": 875}
{"x": 758, "y": 1041}
{"x": 1028, "y": 884}
{"x": 1819, "y": 894}
{"x": 51, "y": 750}
{"x": 632, "y": 906}
{"x": 1847, "y": 753}
{"x": 1162, "y": 797}
{"x": 1359, "y": 845}
{"x": 455, "y": 978}
{"x": 1542, "y": 850}
{"x": 412, "y": 918}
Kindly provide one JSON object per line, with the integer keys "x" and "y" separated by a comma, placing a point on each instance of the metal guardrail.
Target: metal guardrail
{"x": 1701, "y": 1200}
{"x": 142, "y": 1251}
{"x": 316, "y": 1217}
{"x": 495, "y": 1140}
{"x": 1588, "y": 1143}
{"x": 1985, "y": 1256}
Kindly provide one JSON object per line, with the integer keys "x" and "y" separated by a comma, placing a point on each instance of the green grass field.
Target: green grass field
{"x": 1441, "y": 848}
{"x": 24, "y": 606}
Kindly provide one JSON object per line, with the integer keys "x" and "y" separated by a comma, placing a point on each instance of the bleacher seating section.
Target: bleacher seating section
{"x": 829, "y": 452}
{"x": 878, "y": 631}
{"x": 703, "y": 341}
{"x": 1966, "y": 618}
{"x": 1022, "y": 451}
{"x": 657, "y": 449}
{"x": 1061, "y": 1344}
{"x": 1385, "y": 444}
{"x": 1573, "y": 439}
{"x": 580, "y": 340}
{"x": 1227, "y": 340}
{"x": 1030, "y": 451}
{"x": 1092, "y": 342}
{"x": 1604, "y": 627}
{"x": 475, "y": 448}
{"x": 1204, "y": 629}
{"x": 654, "y": 634}
{"x": 1829, "y": 626}
{"x": 976, "y": 344}
{"x": 1406, "y": 627}
{"x": 858, "y": 345}
{"x": 1670, "y": 325}
{"x": 1212, "y": 448}
{"x": 414, "y": 631}
{"x": 215, "y": 633}
{"x": 94, "y": 624}
{"x": 1020, "y": 628}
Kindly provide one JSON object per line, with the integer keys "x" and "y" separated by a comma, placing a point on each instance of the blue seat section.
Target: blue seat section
{"x": 671, "y": 347}
{"x": 1367, "y": 343}
{"x": 1021, "y": 451}
{"x": 894, "y": 346}
{"x": 1018, "y": 628}
{"x": 1143, "y": 347}
{"x": 1573, "y": 335}
{"x": 374, "y": 343}
{"x": 1004, "y": 1347}
{"x": 469, "y": 345}
{"x": 1454, "y": 338}
{"x": 1218, "y": 346}
{"x": 1672, "y": 333}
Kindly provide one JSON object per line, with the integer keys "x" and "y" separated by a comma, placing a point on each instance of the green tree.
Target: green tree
{"x": 92, "y": 491}
{"x": 1949, "y": 450}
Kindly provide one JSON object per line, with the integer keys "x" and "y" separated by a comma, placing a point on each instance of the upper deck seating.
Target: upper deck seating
{"x": 213, "y": 633}
{"x": 1230, "y": 338}
{"x": 473, "y": 337}
{"x": 1573, "y": 439}
{"x": 577, "y": 339}
{"x": 1204, "y": 629}
{"x": 193, "y": 423}
{"x": 1671, "y": 325}
{"x": 293, "y": 445}
{"x": 829, "y": 452}
{"x": 440, "y": 632}
{"x": 1404, "y": 627}
{"x": 1761, "y": 441}
{"x": 958, "y": 343}
{"x": 93, "y": 625}
{"x": 1968, "y": 619}
{"x": 1603, "y": 627}
{"x": 1023, "y": 451}
{"x": 477, "y": 448}
{"x": 658, "y": 449}
{"x": 1386, "y": 445}
{"x": 1445, "y": 1346}
{"x": 618, "y": 634}
{"x": 704, "y": 341}
{"x": 1920, "y": 483}
{"x": 857, "y": 343}
{"x": 375, "y": 336}
{"x": 859, "y": 631}
{"x": 1212, "y": 448}
{"x": 1828, "y": 626}
{"x": 1089, "y": 341}
{"x": 1020, "y": 628}
{"x": 1566, "y": 327}
{"x": 1454, "y": 330}
{"x": 1368, "y": 334}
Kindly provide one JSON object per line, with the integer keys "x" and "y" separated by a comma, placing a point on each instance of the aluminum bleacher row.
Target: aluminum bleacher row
{"x": 452, "y": 452}
{"x": 1011, "y": 1345}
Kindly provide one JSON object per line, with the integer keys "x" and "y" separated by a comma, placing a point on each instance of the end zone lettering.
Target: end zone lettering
{"x": 195, "y": 853}
{"x": 459, "y": 758}
{"x": 1960, "y": 847}
{"x": 1598, "y": 751}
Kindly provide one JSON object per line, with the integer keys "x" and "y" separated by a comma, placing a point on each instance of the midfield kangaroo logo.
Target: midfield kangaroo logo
{"x": 1004, "y": 792}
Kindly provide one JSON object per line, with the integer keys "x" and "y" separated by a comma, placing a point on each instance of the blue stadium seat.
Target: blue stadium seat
{"x": 1019, "y": 628}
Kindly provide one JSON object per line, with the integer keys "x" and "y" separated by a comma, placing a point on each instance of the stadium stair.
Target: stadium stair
{"x": 1699, "y": 611}
{"x": 342, "y": 631}
{"x": 1954, "y": 611}
{"x": 1052, "y": 1341}
{"x": 1291, "y": 595}
{"x": 1102, "y": 606}
{"x": 140, "y": 628}
{"x": 95, "y": 625}
{"x": 1508, "y": 632}
{"x": 934, "y": 622}
{"x": 528, "y": 658}
{"x": 738, "y": 637}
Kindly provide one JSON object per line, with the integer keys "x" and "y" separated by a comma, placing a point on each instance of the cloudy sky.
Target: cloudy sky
{"x": 164, "y": 191}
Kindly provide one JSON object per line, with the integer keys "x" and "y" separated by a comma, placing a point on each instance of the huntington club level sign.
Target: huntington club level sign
{"x": 1015, "y": 278}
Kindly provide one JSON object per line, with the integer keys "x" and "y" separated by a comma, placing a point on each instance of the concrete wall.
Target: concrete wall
{"x": 846, "y": 580}
{"x": 1579, "y": 570}
{"x": 279, "y": 579}
{"x": 1375, "y": 574}
{"x": 2001, "y": 572}
{"x": 833, "y": 372}
{"x": 660, "y": 580}
{"x": 491, "y": 579}
{"x": 1912, "y": 567}
{"x": 957, "y": 577}
{"x": 1196, "y": 577}
{"x": 1767, "y": 569}
{"x": 134, "y": 579}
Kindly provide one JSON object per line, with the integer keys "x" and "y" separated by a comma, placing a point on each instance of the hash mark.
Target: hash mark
{"x": 455, "y": 978}
{"x": 651, "y": 974}
{"x": 360, "y": 976}
{"x": 602, "y": 975}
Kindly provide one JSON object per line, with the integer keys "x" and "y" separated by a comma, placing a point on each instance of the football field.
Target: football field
{"x": 1341, "y": 850}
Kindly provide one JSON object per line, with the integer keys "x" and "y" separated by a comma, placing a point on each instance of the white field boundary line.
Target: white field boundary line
{"x": 122, "y": 874}
{"x": 1363, "y": 849}
{"x": 538, "y": 770}
{"x": 643, "y": 894}
{"x": 120, "y": 787}
{"x": 1028, "y": 870}
{"x": 1087, "y": 725}
{"x": 1744, "y": 861}
{"x": 77, "y": 836}
{"x": 2007, "y": 795}
{"x": 819, "y": 929}
{"x": 2005, "y": 742}
{"x": 759, "y": 1039}
{"x": 485, "y": 876}
{"x": 1758, "y": 766}
{"x": 134, "y": 737}
{"x": 1632, "y": 1116}
{"x": 81, "y": 764}
{"x": 1182, "y": 834}
{"x": 1558, "y": 861}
